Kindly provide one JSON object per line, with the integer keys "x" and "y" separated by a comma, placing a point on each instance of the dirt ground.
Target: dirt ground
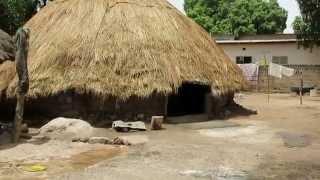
{"x": 281, "y": 142}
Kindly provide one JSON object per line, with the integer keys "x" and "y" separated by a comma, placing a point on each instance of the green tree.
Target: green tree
{"x": 14, "y": 13}
{"x": 236, "y": 17}
{"x": 299, "y": 25}
{"x": 309, "y": 30}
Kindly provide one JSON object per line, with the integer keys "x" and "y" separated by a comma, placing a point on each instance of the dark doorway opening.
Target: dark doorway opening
{"x": 190, "y": 99}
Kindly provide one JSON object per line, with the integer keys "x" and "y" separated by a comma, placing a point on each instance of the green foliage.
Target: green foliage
{"x": 14, "y": 13}
{"x": 236, "y": 17}
{"x": 299, "y": 25}
{"x": 309, "y": 30}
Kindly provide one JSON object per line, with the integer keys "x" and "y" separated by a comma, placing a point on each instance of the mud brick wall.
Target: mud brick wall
{"x": 311, "y": 76}
{"x": 88, "y": 107}
{"x": 96, "y": 109}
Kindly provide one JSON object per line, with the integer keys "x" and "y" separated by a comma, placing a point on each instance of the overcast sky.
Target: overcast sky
{"x": 290, "y": 5}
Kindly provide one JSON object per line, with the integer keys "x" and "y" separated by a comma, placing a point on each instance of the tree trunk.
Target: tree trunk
{"x": 18, "y": 118}
{"x": 22, "y": 46}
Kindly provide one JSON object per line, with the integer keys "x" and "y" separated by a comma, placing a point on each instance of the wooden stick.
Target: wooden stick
{"x": 18, "y": 117}
{"x": 22, "y": 43}
{"x": 156, "y": 122}
{"x": 301, "y": 88}
{"x": 258, "y": 78}
{"x": 268, "y": 76}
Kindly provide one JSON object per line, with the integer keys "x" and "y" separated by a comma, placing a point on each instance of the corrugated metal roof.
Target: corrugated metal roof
{"x": 273, "y": 38}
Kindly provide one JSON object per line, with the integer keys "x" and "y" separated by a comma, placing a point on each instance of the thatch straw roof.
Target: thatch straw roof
{"x": 122, "y": 48}
{"x": 7, "y": 73}
{"x": 7, "y": 48}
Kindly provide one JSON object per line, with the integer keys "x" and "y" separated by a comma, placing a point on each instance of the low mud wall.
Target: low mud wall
{"x": 311, "y": 76}
{"x": 95, "y": 109}
{"x": 102, "y": 111}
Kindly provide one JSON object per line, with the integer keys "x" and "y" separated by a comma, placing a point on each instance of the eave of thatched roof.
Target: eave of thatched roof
{"x": 122, "y": 48}
{"x": 6, "y": 47}
{"x": 7, "y": 74}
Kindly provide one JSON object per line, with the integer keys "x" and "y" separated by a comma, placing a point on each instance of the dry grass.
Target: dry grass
{"x": 122, "y": 48}
{"x": 7, "y": 74}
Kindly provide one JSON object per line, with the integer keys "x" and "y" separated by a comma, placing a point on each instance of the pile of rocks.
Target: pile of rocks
{"x": 103, "y": 140}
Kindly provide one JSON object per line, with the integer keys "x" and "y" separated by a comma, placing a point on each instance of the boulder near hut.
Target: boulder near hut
{"x": 122, "y": 59}
{"x": 7, "y": 55}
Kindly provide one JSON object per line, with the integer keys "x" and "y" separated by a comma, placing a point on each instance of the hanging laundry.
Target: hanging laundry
{"x": 251, "y": 71}
{"x": 275, "y": 70}
{"x": 278, "y": 71}
{"x": 287, "y": 71}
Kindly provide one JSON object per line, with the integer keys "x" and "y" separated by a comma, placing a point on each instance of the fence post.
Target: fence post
{"x": 301, "y": 86}
{"x": 268, "y": 81}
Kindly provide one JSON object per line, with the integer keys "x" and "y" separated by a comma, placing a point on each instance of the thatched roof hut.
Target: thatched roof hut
{"x": 122, "y": 49}
{"x": 6, "y": 47}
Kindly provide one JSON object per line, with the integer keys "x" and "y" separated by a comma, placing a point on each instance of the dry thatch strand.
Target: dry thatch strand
{"x": 122, "y": 48}
{"x": 7, "y": 48}
{"x": 7, "y": 73}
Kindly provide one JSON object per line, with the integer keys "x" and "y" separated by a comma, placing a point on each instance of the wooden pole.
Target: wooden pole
{"x": 22, "y": 46}
{"x": 18, "y": 117}
{"x": 268, "y": 81}
{"x": 266, "y": 64}
{"x": 258, "y": 78}
{"x": 156, "y": 122}
{"x": 301, "y": 87}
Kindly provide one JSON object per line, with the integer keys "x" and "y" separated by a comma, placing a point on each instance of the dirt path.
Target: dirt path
{"x": 56, "y": 156}
{"x": 281, "y": 142}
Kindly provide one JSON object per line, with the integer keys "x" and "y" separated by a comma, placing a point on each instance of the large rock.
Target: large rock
{"x": 66, "y": 129}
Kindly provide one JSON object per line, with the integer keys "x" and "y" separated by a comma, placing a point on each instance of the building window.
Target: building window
{"x": 243, "y": 59}
{"x": 280, "y": 60}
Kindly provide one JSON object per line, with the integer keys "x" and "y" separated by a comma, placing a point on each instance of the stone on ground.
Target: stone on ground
{"x": 84, "y": 139}
{"x": 66, "y": 129}
{"x": 34, "y": 132}
{"x": 120, "y": 141}
{"x": 99, "y": 140}
{"x": 135, "y": 139}
{"x": 38, "y": 139}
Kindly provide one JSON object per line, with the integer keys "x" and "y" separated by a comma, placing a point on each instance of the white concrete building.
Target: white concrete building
{"x": 277, "y": 48}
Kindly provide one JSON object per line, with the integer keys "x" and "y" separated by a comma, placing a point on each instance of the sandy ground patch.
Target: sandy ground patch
{"x": 281, "y": 142}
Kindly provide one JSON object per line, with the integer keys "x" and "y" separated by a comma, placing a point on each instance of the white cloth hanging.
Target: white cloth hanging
{"x": 278, "y": 71}
{"x": 287, "y": 71}
{"x": 275, "y": 70}
{"x": 251, "y": 71}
